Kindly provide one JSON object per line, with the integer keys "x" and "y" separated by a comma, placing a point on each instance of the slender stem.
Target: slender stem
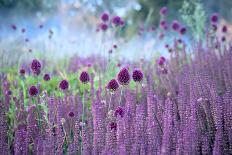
{"x": 137, "y": 92}
{"x": 120, "y": 97}
{"x": 110, "y": 101}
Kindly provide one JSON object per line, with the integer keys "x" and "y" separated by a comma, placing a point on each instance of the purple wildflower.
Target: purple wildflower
{"x": 71, "y": 114}
{"x": 163, "y": 11}
{"x": 84, "y": 77}
{"x": 35, "y": 66}
{"x": 175, "y": 25}
{"x": 124, "y": 76}
{"x": 33, "y": 91}
{"x": 112, "y": 85}
{"x": 103, "y": 26}
{"x": 224, "y": 29}
{"x": 214, "y": 18}
{"x": 105, "y": 17}
{"x": 116, "y": 20}
{"x": 119, "y": 112}
{"x": 183, "y": 30}
{"x": 64, "y": 85}
{"x": 137, "y": 75}
{"x": 46, "y": 77}
{"x": 22, "y": 71}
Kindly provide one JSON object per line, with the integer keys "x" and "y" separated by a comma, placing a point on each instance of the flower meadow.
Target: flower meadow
{"x": 180, "y": 103}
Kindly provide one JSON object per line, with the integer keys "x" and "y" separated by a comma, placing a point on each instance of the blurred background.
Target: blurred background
{"x": 64, "y": 27}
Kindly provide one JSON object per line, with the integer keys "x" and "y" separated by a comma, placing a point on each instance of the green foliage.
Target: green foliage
{"x": 193, "y": 14}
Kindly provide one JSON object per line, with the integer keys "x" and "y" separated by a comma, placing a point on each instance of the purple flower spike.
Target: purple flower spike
{"x": 116, "y": 20}
{"x": 119, "y": 112}
{"x": 33, "y": 91}
{"x": 124, "y": 76}
{"x": 84, "y": 77}
{"x": 112, "y": 85}
{"x": 163, "y": 11}
{"x": 214, "y": 18}
{"x": 46, "y": 77}
{"x": 175, "y": 25}
{"x": 105, "y": 17}
{"x": 63, "y": 85}
{"x": 137, "y": 75}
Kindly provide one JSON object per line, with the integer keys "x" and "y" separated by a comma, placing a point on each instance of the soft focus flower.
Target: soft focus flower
{"x": 183, "y": 30}
{"x": 116, "y": 20}
{"x": 46, "y": 77}
{"x": 103, "y": 26}
{"x": 214, "y": 18}
{"x": 161, "y": 61}
{"x": 33, "y": 91}
{"x": 137, "y": 75}
{"x": 175, "y": 25}
{"x": 124, "y": 76}
{"x": 71, "y": 114}
{"x": 112, "y": 85}
{"x": 115, "y": 46}
{"x": 214, "y": 27}
{"x": 105, "y": 17}
{"x": 119, "y": 112}
{"x": 84, "y": 77}
{"x": 22, "y": 71}
{"x": 23, "y": 30}
{"x": 14, "y": 27}
{"x": 64, "y": 85}
{"x": 224, "y": 29}
{"x": 223, "y": 39}
{"x": 163, "y": 11}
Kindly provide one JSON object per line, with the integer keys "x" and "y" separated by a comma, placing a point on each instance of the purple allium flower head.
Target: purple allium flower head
{"x": 113, "y": 126}
{"x": 183, "y": 30}
{"x": 22, "y": 71}
{"x": 71, "y": 114}
{"x": 161, "y": 61}
{"x": 46, "y": 77}
{"x": 137, "y": 75}
{"x": 119, "y": 112}
{"x": 115, "y": 46}
{"x": 14, "y": 27}
{"x": 63, "y": 85}
{"x": 166, "y": 46}
{"x": 214, "y": 18}
{"x": 116, "y": 20}
{"x": 122, "y": 23}
{"x": 33, "y": 91}
{"x": 112, "y": 85}
{"x": 223, "y": 39}
{"x": 175, "y": 25}
{"x": 23, "y": 30}
{"x": 35, "y": 66}
{"x": 105, "y": 17}
{"x": 103, "y": 26}
{"x": 163, "y": 11}
{"x": 163, "y": 23}
{"x": 124, "y": 76}
{"x": 214, "y": 27}
{"x": 84, "y": 77}
{"x": 224, "y": 29}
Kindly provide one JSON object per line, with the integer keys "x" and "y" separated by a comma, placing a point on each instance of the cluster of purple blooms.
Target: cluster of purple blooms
{"x": 187, "y": 111}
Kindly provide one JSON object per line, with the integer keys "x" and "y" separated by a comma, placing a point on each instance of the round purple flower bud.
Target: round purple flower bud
{"x": 223, "y": 39}
{"x": 122, "y": 23}
{"x": 103, "y": 26}
{"x": 115, "y": 46}
{"x": 175, "y": 25}
{"x": 23, "y": 30}
{"x": 112, "y": 85}
{"x": 71, "y": 114}
{"x": 116, "y": 20}
{"x": 63, "y": 85}
{"x": 46, "y": 77}
{"x": 183, "y": 30}
{"x": 35, "y": 66}
{"x": 166, "y": 46}
{"x": 214, "y": 18}
{"x": 163, "y": 23}
{"x": 113, "y": 126}
{"x": 161, "y": 61}
{"x": 163, "y": 11}
{"x": 119, "y": 112}
{"x": 22, "y": 71}
{"x": 124, "y": 76}
{"x": 214, "y": 27}
{"x": 14, "y": 27}
{"x": 33, "y": 91}
{"x": 137, "y": 75}
{"x": 224, "y": 29}
{"x": 105, "y": 17}
{"x": 84, "y": 77}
